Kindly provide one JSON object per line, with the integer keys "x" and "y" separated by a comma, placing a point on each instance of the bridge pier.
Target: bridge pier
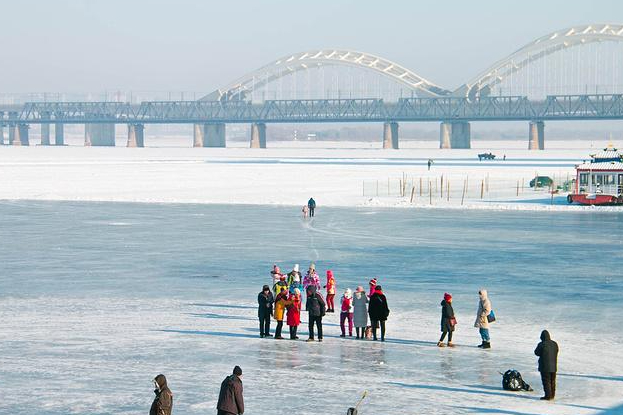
{"x": 59, "y": 135}
{"x": 45, "y": 134}
{"x": 1, "y": 133}
{"x": 20, "y": 135}
{"x": 390, "y": 135}
{"x": 536, "y": 135}
{"x": 455, "y": 135}
{"x": 99, "y": 135}
{"x": 258, "y": 135}
{"x": 136, "y": 135}
{"x": 209, "y": 135}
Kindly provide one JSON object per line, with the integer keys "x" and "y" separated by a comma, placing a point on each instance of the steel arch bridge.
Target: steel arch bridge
{"x": 480, "y": 85}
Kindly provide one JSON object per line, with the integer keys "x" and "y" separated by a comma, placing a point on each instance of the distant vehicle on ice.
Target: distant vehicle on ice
{"x": 486, "y": 156}
{"x": 599, "y": 181}
{"x": 541, "y": 181}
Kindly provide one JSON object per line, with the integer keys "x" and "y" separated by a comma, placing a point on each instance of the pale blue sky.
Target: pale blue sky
{"x": 157, "y": 45}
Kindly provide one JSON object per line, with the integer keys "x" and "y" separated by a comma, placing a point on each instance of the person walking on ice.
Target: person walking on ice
{"x": 305, "y": 211}
{"x": 547, "y": 350}
{"x": 482, "y": 319}
{"x": 311, "y": 204}
{"x": 163, "y": 402}
{"x": 448, "y": 321}
{"x": 230, "y": 399}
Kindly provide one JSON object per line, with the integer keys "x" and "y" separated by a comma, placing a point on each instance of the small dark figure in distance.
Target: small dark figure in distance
{"x": 316, "y": 309}
{"x": 311, "y": 205}
{"x": 163, "y": 402}
{"x": 378, "y": 311}
{"x": 230, "y": 400}
{"x": 430, "y": 162}
{"x": 547, "y": 350}
{"x": 265, "y": 302}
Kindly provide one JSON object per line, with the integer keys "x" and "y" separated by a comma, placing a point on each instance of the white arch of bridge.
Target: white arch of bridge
{"x": 327, "y": 57}
{"x": 538, "y": 49}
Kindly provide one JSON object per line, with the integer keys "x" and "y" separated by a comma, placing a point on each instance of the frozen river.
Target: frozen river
{"x": 98, "y": 298}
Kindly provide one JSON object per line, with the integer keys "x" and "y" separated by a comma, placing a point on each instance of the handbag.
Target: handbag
{"x": 452, "y": 321}
{"x": 491, "y": 317}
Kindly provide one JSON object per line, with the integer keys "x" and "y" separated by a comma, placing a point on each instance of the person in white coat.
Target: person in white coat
{"x": 360, "y": 302}
{"x": 482, "y": 321}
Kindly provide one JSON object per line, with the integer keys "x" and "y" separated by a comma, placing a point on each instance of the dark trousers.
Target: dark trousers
{"x": 279, "y": 327}
{"x": 376, "y": 323}
{"x": 221, "y": 412}
{"x": 311, "y": 212}
{"x": 318, "y": 321}
{"x": 265, "y": 325}
{"x": 293, "y": 330}
{"x": 443, "y": 336}
{"x": 549, "y": 384}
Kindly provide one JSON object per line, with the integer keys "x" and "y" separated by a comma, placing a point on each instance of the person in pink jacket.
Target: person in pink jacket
{"x": 330, "y": 291}
{"x": 311, "y": 278}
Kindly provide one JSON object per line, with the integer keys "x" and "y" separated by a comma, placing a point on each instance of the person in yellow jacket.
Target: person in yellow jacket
{"x": 281, "y": 302}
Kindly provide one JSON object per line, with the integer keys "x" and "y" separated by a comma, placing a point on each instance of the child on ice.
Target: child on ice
{"x": 348, "y": 309}
{"x": 330, "y": 292}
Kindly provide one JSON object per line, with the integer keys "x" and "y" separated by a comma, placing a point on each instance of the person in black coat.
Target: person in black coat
{"x": 230, "y": 399}
{"x": 265, "y": 302}
{"x": 316, "y": 309}
{"x": 447, "y": 320}
{"x": 311, "y": 205}
{"x": 378, "y": 311}
{"x": 547, "y": 350}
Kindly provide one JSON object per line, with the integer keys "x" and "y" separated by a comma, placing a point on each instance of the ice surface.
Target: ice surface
{"x": 98, "y": 298}
{"x": 339, "y": 176}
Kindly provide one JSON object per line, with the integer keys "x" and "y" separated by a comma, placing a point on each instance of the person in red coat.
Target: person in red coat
{"x": 294, "y": 313}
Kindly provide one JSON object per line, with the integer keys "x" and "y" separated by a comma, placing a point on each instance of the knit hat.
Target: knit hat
{"x": 360, "y": 289}
{"x": 237, "y": 371}
{"x": 447, "y": 297}
{"x": 372, "y": 281}
{"x": 296, "y": 268}
{"x": 312, "y": 266}
{"x": 266, "y": 288}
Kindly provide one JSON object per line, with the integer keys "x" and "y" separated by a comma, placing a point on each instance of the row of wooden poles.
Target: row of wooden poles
{"x": 441, "y": 186}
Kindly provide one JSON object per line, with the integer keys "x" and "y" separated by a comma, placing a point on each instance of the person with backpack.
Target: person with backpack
{"x": 482, "y": 319}
{"x": 230, "y": 399}
{"x": 547, "y": 350}
{"x": 378, "y": 311}
{"x": 163, "y": 402}
{"x": 448, "y": 321}
{"x": 347, "y": 311}
{"x": 360, "y": 315}
{"x": 294, "y": 313}
{"x": 311, "y": 205}
{"x": 265, "y": 302}
{"x": 316, "y": 309}
{"x": 330, "y": 291}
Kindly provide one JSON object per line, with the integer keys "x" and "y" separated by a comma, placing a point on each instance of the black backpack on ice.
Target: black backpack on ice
{"x": 512, "y": 381}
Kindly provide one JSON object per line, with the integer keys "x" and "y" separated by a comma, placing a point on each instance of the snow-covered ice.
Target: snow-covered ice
{"x": 98, "y": 298}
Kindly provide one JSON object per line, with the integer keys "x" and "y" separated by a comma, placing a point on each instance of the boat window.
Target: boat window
{"x": 609, "y": 179}
{"x": 599, "y": 179}
{"x": 583, "y": 178}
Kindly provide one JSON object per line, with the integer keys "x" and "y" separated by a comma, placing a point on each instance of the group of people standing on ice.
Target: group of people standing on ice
{"x": 285, "y": 301}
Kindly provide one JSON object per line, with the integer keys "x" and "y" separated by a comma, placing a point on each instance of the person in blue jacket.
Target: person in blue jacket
{"x": 311, "y": 204}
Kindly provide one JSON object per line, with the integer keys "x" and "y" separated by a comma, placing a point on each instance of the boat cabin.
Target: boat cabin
{"x": 600, "y": 181}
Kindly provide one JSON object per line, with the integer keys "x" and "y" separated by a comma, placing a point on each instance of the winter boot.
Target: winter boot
{"x": 481, "y": 345}
{"x": 441, "y": 344}
{"x": 486, "y": 345}
{"x": 450, "y": 344}
{"x": 310, "y": 340}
